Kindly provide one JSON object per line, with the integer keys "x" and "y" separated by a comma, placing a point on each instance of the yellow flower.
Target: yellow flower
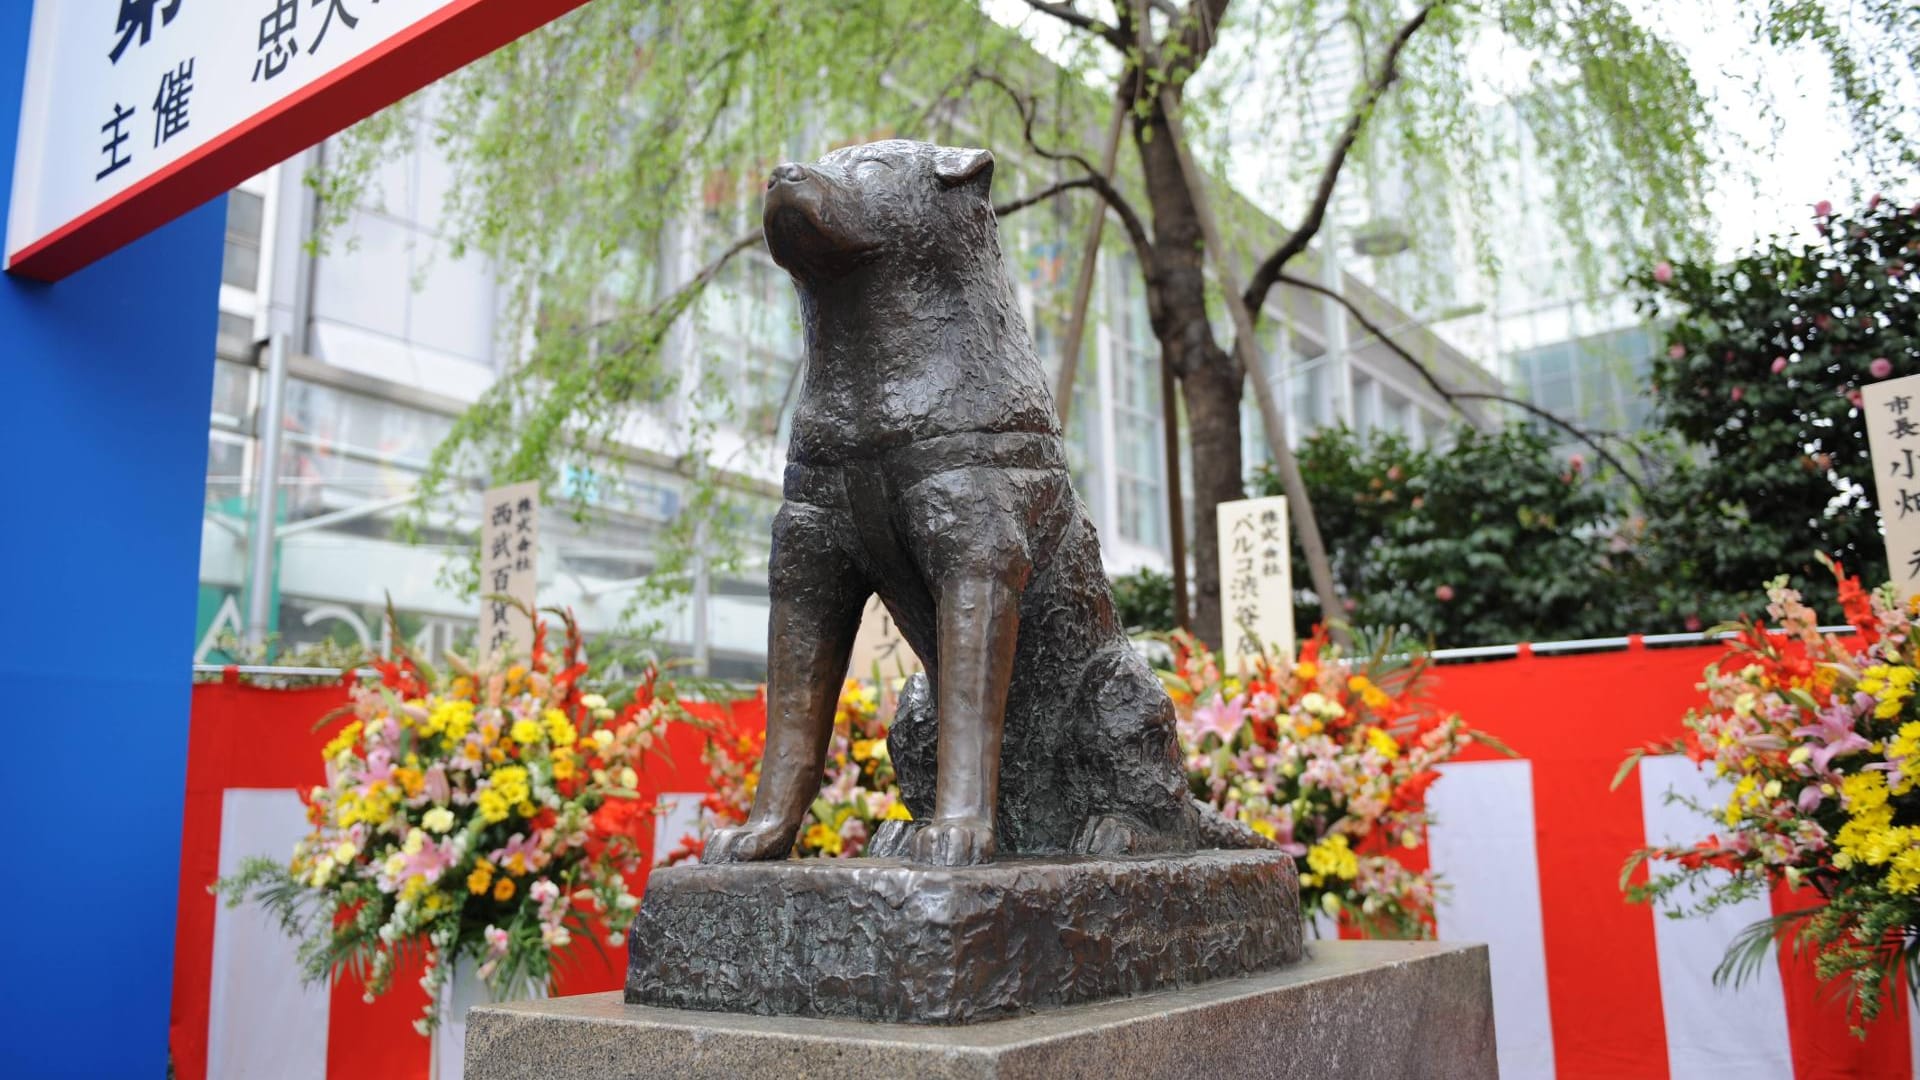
{"x": 1306, "y": 671}
{"x": 481, "y": 878}
{"x": 525, "y": 732}
{"x": 511, "y": 782}
{"x": 563, "y": 764}
{"x": 1264, "y": 828}
{"x": 449, "y": 717}
{"x": 560, "y": 729}
{"x": 503, "y": 889}
{"x": 1333, "y": 858}
{"x": 341, "y": 742}
{"x": 1379, "y": 740}
{"x": 525, "y": 809}
{"x": 898, "y": 811}
{"x": 823, "y": 840}
{"x": 493, "y": 806}
{"x": 863, "y": 749}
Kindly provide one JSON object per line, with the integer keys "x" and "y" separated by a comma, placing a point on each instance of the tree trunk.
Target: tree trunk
{"x": 1210, "y": 378}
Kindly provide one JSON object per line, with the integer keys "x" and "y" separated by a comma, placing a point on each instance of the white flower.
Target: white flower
{"x": 593, "y": 701}
{"x": 439, "y": 819}
{"x": 616, "y": 939}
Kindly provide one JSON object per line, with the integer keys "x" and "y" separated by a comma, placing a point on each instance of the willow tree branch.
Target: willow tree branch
{"x": 1453, "y": 397}
{"x": 1066, "y": 13}
{"x": 1309, "y": 227}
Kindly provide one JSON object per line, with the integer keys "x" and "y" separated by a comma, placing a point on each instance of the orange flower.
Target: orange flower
{"x": 503, "y": 889}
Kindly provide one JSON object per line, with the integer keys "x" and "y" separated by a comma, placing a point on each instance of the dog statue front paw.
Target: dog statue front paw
{"x": 958, "y": 841}
{"x": 752, "y": 842}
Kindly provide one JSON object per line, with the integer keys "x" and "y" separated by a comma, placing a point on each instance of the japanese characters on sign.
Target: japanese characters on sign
{"x": 1891, "y": 408}
{"x": 136, "y": 110}
{"x": 880, "y": 647}
{"x": 509, "y": 568}
{"x": 1256, "y": 580}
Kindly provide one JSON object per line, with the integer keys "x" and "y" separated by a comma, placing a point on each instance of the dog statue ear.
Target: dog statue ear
{"x": 955, "y": 166}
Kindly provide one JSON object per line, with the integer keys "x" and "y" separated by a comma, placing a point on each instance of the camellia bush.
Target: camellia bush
{"x": 1814, "y": 740}
{"x": 1495, "y": 538}
{"x": 1328, "y": 759}
{"x": 489, "y": 816}
{"x": 1760, "y": 375}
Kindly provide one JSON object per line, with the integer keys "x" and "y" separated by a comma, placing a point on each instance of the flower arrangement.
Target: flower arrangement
{"x": 859, "y": 793}
{"x": 474, "y": 817}
{"x": 1816, "y": 740}
{"x": 1330, "y": 759}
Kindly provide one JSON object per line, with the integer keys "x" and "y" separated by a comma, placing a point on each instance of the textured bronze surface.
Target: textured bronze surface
{"x": 926, "y": 466}
{"x": 1355, "y": 1010}
{"x": 879, "y": 939}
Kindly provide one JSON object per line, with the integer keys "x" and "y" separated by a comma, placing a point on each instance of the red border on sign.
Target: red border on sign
{"x": 450, "y": 38}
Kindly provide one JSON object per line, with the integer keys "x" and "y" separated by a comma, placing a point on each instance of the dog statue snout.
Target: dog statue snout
{"x": 786, "y": 174}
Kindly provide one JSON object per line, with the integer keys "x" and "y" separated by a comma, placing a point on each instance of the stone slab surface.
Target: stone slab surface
{"x": 1356, "y": 1010}
{"x": 880, "y": 939}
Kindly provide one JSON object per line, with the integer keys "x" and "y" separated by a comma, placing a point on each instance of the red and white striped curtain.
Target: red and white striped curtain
{"x": 1530, "y": 849}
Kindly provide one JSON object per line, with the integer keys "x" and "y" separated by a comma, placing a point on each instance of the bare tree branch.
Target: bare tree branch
{"x": 1122, "y": 207}
{"x": 1453, "y": 397}
{"x": 1014, "y": 206}
{"x": 1065, "y": 13}
{"x": 1297, "y": 241}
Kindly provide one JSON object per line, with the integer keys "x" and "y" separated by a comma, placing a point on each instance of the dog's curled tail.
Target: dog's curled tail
{"x": 1219, "y": 831}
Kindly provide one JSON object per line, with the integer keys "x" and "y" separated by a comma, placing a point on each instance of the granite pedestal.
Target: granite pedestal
{"x": 1351, "y": 1009}
{"x": 880, "y": 939}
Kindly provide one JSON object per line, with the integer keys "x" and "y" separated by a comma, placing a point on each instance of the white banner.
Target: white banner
{"x": 509, "y": 567}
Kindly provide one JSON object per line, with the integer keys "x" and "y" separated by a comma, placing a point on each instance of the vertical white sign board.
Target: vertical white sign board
{"x": 509, "y": 567}
{"x": 1256, "y": 581}
{"x": 1892, "y": 411}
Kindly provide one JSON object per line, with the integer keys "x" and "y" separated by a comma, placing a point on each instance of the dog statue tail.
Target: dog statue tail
{"x": 1219, "y": 831}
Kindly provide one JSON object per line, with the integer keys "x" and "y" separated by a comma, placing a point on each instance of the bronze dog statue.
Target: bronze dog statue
{"x": 926, "y": 465}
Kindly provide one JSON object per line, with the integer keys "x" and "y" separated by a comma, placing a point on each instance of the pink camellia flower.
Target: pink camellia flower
{"x": 1443, "y": 593}
{"x": 1663, "y": 271}
{"x": 1737, "y": 393}
{"x": 1823, "y": 208}
{"x": 1779, "y": 364}
{"x": 1693, "y": 624}
{"x": 1853, "y": 396}
{"x": 1577, "y": 462}
{"x": 1675, "y": 352}
{"x": 1880, "y": 368}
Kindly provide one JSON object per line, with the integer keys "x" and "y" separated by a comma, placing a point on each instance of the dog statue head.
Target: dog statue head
{"x": 883, "y": 206}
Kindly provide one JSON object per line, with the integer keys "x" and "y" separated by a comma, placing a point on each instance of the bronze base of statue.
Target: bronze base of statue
{"x": 883, "y": 939}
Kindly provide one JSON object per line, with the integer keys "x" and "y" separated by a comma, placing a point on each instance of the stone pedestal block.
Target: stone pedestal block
{"x": 884, "y": 940}
{"x": 1357, "y": 1010}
